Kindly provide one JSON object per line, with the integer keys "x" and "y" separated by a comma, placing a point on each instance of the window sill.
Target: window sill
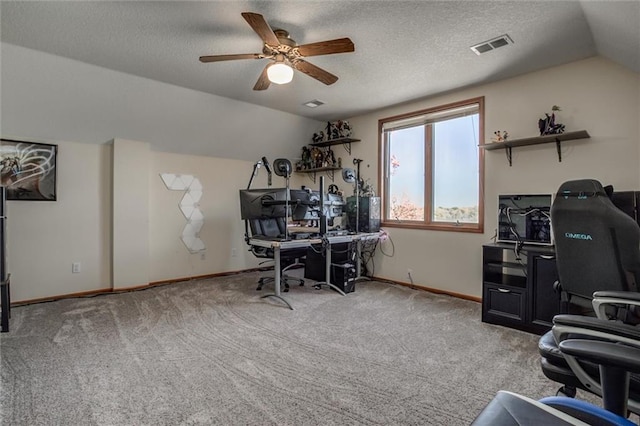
{"x": 450, "y": 227}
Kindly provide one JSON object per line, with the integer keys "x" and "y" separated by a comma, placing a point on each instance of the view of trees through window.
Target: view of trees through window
{"x": 432, "y": 167}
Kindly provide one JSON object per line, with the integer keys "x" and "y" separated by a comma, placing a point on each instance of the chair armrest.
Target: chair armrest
{"x": 594, "y": 327}
{"x": 567, "y": 328}
{"x": 603, "y": 353}
{"x": 629, "y": 295}
{"x": 604, "y": 299}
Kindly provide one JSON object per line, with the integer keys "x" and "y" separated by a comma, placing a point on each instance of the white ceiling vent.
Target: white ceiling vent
{"x": 492, "y": 44}
{"x": 314, "y": 103}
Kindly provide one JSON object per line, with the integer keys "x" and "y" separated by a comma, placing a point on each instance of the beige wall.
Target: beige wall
{"x": 45, "y": 238}
{"x": 130, "y": 214}
{"x": 595, "y": 95}
{"x": 223, "y": 231}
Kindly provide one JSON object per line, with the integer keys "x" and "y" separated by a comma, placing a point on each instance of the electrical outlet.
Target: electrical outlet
{"x": 75, "y": 268}
{"x": 409, "y": 271}
{"x": 234, "y": 252}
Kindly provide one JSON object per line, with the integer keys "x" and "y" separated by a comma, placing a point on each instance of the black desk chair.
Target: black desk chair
{"x": 613, "y": 347}
{"x": 276, "y": 228}
{"x": 597, "y": 250}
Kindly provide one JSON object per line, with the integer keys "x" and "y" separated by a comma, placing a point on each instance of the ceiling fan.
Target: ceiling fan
{"x": 285, "y": 54}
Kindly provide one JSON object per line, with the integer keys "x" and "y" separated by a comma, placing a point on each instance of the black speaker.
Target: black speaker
{"x": 369, "y": 218}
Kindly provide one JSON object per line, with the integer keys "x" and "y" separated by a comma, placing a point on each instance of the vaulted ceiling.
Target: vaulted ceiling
{"x": 404, "y": 50}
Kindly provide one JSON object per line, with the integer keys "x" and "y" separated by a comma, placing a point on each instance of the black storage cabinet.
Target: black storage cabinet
{"x": 517, "y": 290}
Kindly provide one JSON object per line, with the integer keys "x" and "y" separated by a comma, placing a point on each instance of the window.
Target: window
{"x": 431, "y": 168}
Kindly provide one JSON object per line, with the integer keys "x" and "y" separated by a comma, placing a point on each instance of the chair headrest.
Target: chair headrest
{"x": 582, "y": 188}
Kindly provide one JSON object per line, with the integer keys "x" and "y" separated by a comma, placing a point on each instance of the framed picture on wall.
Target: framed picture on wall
{"x": 28, "y": 170}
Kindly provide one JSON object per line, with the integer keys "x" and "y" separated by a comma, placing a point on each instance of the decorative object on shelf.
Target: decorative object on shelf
{"x": 318, "y": 137}
{"x": 317, "y": 157}
{"x": 548, "y": 125}
{"x": 500, "y": 136}
{"x": 28, "y": 170}
{"x": 338, "y": 129}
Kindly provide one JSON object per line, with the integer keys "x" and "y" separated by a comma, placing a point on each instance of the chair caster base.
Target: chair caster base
{"x": 568, "y": 391}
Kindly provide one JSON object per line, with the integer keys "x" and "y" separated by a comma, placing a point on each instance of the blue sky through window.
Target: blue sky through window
{"x": 455, "y": 163}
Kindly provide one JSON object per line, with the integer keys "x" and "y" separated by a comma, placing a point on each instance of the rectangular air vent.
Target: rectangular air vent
{"x": 314, "y": 103}
{"x": 492, "y": 44}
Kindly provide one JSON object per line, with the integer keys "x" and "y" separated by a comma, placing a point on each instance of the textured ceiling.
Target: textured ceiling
{"x": 405, "y": 50}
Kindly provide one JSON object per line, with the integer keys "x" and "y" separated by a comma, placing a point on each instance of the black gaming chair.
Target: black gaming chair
{"x": 597, "y": 245}
{"x": 613, "y": 347}
{"x": 275, "y": 228}
{"x": 597, "y": 251}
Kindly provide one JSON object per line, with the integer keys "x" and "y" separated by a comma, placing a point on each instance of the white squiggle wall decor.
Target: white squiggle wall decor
{"x": 189, "y": 206}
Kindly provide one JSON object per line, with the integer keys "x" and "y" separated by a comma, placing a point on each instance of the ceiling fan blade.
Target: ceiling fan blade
{"x": 218, "y": 58}
{"x": 340, "y": 45}
{"x": 315, "y": 72}
{"x": 261, "y": 27}
{"x": 263, "y": 81}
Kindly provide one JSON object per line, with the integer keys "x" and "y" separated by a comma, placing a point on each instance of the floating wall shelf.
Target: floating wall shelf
{"x": 508, "y": 145}
{"x": 312, "y": 172}
{"x": 346, "y": 142}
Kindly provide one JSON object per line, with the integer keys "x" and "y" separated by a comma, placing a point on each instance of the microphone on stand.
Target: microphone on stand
{"x": 265, "y": 163}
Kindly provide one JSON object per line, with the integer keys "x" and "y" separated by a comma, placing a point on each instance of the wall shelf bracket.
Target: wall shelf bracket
{"x": 559, "y": 149}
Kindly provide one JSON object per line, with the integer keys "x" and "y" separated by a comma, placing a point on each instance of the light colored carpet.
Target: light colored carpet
{"x": 213, "y": 352}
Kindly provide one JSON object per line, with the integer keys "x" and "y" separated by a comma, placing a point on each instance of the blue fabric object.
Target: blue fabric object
{"x": 560, "y": 402}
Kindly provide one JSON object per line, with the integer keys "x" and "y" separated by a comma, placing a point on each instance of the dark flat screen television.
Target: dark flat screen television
{"x": 525, "y": 219}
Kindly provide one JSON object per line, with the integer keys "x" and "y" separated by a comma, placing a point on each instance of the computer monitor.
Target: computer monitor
{"x": 263, "y": 203}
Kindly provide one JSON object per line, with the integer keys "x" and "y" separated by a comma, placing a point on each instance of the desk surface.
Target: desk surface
{"x": 333, "y": 239}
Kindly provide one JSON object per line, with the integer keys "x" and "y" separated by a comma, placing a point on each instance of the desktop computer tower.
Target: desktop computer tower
{"x": 343, "y": 276}
{"x": 369, "y": 217}
{"x": 343, "y": 271}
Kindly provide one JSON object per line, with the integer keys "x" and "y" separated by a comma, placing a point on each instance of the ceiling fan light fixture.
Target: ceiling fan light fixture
{"x": 280, "y": 73}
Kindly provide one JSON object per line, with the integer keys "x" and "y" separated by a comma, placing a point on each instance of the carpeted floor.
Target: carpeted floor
{"x": 213, "y": 352}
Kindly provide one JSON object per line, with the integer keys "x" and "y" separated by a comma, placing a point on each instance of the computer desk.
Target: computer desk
{"x": 278, "y": 246}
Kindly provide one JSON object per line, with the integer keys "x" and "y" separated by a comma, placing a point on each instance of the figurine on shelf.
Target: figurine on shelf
{"x": 344, "y": 129}
{"x": 548, "y": 124}
{"x": 338, "y": 129}
{"x": 500, "y": 136}
{"x": 330, "y": 158}
{"x": 316, "y": 157}
{"x": 318, "y": 137}
{"x": 306, "y": 158}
